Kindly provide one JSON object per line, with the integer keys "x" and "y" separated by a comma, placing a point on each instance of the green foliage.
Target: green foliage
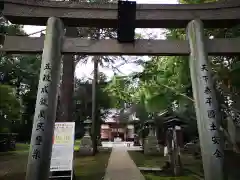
{"x": 9, "y": 107}
{"x": 119, "y": 88}
{"x": 83, "y": 99}
{"x": 165, "y": 82}
{"x": 20, "y": 74}
{"x": 10, "y": 29}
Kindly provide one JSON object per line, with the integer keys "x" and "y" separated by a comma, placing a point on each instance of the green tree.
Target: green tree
{"x": 84, "y": 103}
{"x": 119, "y": 88}
{"x": 10, "y": 108}
{"x": 21, "y": 72}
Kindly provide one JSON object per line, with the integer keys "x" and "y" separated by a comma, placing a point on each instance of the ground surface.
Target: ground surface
{"x": 193, "y": 168}
{"x": 232, "y": 165}
{"x": 91, "y": 167}
{"x": 13, "y": 164}
{"x": 121, "y": 166}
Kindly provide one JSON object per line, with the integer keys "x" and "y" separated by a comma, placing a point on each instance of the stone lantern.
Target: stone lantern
{"x": 174, "y": 142}
{"x": 87, "y": 127}
{"x": 86, "y": 147}
{"x": 150, "y": 124}
{"x": 150, "y": 144}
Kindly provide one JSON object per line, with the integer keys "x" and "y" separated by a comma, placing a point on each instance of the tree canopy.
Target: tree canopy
{"x": 165, "y": 84}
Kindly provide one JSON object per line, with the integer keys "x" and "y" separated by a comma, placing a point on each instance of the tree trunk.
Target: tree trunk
{"x": 95, "y": 117}
{"x": 67, "y": 86}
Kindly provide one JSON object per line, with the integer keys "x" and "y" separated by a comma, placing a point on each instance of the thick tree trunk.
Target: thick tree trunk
{"x": 67, "y": 86}
{"x": 95, "y": 117}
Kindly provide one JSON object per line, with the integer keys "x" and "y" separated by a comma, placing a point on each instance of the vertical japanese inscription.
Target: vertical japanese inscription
{"x": 40, "y": 126}
{"x": 213, "y": 127}
{"x": 36, "y": 154}
{"x": 42, "y": 114}
{"x": 204, "y": 68}
{"x": 207, "y": 90}
{"x": 44, "y": 89}
{"x": 211, "y": 112}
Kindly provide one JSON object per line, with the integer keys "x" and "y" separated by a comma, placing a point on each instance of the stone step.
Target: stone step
{"x": 150, "y": 169}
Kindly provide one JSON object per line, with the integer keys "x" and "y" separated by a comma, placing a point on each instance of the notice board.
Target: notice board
{"x": 62, "y": 150}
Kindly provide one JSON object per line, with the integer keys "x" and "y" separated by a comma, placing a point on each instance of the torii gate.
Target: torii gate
{"x": 55, "y": 14}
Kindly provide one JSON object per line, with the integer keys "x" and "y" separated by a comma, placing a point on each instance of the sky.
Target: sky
{"x": 85, "y": 70}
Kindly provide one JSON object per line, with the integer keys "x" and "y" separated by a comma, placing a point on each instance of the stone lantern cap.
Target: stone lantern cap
{"x": 150, "y": 122}
{"x": 173, "y": 122}
{"x": 88, "y": 121}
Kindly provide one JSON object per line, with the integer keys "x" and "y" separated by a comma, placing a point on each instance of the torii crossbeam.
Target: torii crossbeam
{"x": 82, "y": 46}
{"x": 213, "y": 15}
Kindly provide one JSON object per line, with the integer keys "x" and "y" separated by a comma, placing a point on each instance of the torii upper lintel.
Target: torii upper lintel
{"x": 31, "y": 12}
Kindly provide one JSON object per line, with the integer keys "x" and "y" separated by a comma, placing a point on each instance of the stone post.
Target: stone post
{"x": 176, "y": 153}
{"x": 169, "y": 138}
{"x": 39, "y": 159}
{"x": 125, "y": 135}
{"x": 109, "y": 134}
{"x": 208, "y": 117}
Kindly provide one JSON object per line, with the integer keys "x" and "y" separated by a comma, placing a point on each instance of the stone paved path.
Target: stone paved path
{"x": 121, "y": 166}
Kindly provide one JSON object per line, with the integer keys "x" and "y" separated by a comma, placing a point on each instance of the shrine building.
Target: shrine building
{"x": 113, "y": 128}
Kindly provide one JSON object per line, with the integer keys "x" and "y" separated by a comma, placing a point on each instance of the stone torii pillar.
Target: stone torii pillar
{"x": 39, "y": 159}
{"x": 208, "y": 117}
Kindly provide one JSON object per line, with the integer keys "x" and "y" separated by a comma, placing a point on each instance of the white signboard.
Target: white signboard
{"x": 63, "y": 147}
